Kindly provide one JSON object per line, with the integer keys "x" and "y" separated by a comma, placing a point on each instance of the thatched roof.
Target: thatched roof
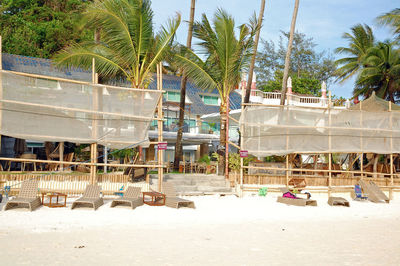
{"x": 375, "y": 104}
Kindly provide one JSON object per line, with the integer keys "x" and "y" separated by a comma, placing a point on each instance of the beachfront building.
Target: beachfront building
{"x": 199, "y": 137}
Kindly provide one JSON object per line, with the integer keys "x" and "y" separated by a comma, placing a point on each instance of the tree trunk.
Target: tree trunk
{"x": 178, "y": 144}
{"x": 222, "y": 138}
{"x": 288, "y": 52}
{"x": 253, "y": 58}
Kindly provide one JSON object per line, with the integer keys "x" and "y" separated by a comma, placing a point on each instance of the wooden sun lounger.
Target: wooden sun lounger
{"x": 171, "y": 200}
{"x": 27, "y": 197}
{"x": 91, "y": 197}
{"x": 131, "y": 198}
{"x": 373, "y": 192}
{"x": 338, "y": 201}
{"x": 297, "y": 201}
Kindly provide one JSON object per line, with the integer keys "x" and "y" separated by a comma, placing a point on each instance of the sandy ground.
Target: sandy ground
{"x": 220, "y": 231}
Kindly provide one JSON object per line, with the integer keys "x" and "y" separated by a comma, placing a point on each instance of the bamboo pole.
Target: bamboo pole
{"x": 160, "y": 127}
{"x": 391, "y": 153}
{"x": 81, "y": 163}
{"x": 330, "y": 143}
{"x": 241, "y": 146}
{"x": 287, "y": 170}
{"x": 361, "y": 143}
{"x": 93, "y": 146}
{"x": 61, "y": 154}
{"x": 1, "y": 90}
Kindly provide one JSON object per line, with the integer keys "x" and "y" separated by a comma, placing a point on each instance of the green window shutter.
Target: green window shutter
{"x": 210, "y": 100}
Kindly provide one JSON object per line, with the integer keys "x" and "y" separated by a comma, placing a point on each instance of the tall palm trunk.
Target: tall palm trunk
{"x": 253, "y": 58}
{"x": 222, "y": 136}
{"x": 288, "y": 52}
{"x": 178, "y": 145}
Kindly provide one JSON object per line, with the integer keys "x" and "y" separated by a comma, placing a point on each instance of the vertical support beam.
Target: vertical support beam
{"x": 330, "y": 144}
{"x": 391, "y": 152}
{"x": 160, "y": 128}
{"x": 287, "y": 170}
{"x": 1, "y": 88}
{"x": 241, "y": 145}
{"x": 287, "y": 146}
{"x": 105, "y": 158}
{"x": 361, "y": 143}
{"x": 61, "y": 154}
{"x": 93, "y": 146}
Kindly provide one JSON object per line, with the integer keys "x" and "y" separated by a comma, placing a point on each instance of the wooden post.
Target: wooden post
{"x": 160, "y": 127}
{"x": 241, "y": 146}
{"x": 1, "y": 88}
{"x": 93, "y": 146}
{"x": 361, "y": 144}
{"x": 330, "y": 144}
{"x": 61, "y": 154}
{"x": 287, "y": 170}
{"x": 105, "y": 158}
{"x": 391, "y": 152}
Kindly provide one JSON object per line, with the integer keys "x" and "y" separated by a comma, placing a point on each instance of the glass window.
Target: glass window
{"x": 209, "y": 100}
{"x": 173, "y": 96}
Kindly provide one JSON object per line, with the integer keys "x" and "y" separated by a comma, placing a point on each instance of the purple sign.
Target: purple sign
{"x": 162, "y": 145}
{"x": 244, "y": 154}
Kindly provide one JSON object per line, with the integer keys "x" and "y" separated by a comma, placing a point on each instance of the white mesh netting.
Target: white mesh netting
{"x": 51, "y": 110}
{"x": 290, "y": 129}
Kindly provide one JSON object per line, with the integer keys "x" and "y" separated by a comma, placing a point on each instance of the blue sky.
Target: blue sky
{"x": 323, "y": 20}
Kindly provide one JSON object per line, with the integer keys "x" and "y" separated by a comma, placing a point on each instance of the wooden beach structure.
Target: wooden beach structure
{"x": 48, "y": 108}
{"x": 370, "y": 128}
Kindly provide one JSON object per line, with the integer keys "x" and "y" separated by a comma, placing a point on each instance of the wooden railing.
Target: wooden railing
{"x": 70, "y": 184}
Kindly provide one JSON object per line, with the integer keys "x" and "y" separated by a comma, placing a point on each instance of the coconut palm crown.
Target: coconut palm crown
{"x": 360, "y": 40}
{"x": 392, "y": 19}
{"x": 128, "y": 47}
{"x": 225, "y": 58}
{"x": 225, "y": 55}
{"x": 382, "y": 72}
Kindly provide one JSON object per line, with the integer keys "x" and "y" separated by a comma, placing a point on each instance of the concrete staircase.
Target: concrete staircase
{"x": 196, "y": 184}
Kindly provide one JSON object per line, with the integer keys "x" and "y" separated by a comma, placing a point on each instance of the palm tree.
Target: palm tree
{"x": 288, "y": 52}
{"x": 225, "y": 58}
{"x": 360, "y": 40}
{"x": 392, "y": 19}
{"x": 178, "y": 145}
{"x": 129, "y": 47}
{"x": 382, "y": 72}
{"x": 253, "y": 58}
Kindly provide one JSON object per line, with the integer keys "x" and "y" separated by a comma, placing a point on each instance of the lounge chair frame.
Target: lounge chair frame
{"x": 91, "y": 198}
{"x": 27, "y": 197}
{"x": 131, "y": 198}
{"x": 171, "y": 200}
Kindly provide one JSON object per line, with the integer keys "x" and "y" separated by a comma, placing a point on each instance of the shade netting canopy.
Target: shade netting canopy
{"x": 278, "y": 130}
{"x": 46, "y": 109}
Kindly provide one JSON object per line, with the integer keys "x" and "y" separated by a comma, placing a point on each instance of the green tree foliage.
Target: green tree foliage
{"x": 308, "y": 68}
{"x": 359, "y": 40}
{"x": 391, "y": 19}
{"x": 226, "y": 56}
{"x": 129, "y": 47}
{"x": 376, "y": 65}
{"x": 41, "y": 28}
{"x": 381, "y": 72}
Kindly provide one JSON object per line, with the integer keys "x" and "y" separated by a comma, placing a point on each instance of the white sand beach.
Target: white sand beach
{"x": 220, "y": 231}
